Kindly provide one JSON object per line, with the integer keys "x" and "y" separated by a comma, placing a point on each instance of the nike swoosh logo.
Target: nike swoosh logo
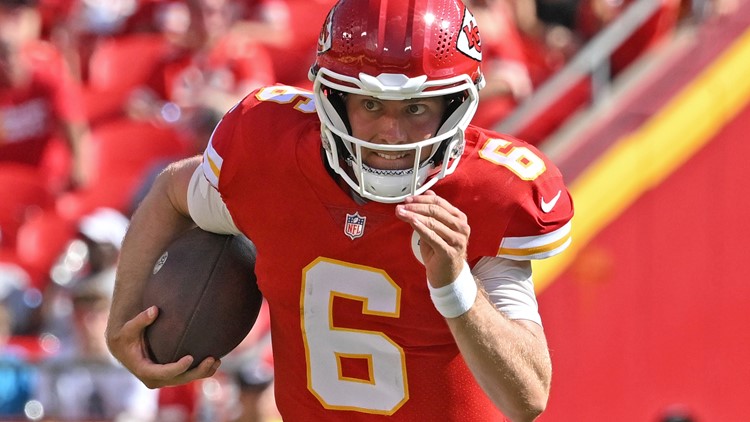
{"x": 547, "y": 206}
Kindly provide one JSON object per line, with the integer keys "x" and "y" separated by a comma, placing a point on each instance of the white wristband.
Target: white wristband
{"x": 456, "y": 298}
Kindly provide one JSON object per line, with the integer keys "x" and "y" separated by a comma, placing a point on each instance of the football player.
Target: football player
{"x": 395, "y": 254}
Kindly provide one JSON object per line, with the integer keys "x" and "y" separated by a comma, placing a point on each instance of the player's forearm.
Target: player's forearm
{"x": 510, "y": 362}
{"x": 160, "y": 218}
{"x": 76, "y": 134}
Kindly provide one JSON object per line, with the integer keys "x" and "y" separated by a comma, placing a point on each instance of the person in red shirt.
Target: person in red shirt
{"x": 284, "y": 27}
{"x": 225, "y": 66}
{"x": 202, "y": 67}
{"x": 505, "y": 63}
{"x": 594, "y": 15}
{"x": 39, "y": 99}
{"x": 394, "y": 238}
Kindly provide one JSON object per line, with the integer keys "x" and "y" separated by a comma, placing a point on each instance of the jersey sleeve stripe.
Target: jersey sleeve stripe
{"x": 212, "y": 162}
{"x": 536, "y": 247}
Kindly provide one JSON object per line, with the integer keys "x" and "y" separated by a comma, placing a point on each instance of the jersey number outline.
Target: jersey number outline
{"x": 285, "y": 94}
{"x": 328, "y": 346}
{"x": 520, "y": 160}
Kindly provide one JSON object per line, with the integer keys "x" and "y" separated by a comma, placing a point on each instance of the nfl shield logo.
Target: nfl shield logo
{"x": 354, "y": 226}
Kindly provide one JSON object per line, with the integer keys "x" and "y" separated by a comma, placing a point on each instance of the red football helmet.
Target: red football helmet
{"x": 397, "y": 50}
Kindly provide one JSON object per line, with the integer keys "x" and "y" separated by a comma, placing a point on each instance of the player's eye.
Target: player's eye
{"x": 371, "y": 105}
{"x": 416, "y": 109}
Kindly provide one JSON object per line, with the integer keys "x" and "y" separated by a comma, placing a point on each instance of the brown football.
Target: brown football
{"x": 204, "y": 285}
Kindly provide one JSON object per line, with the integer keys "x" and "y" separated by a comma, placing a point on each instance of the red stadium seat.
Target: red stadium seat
{"x": 125, "y": 62}
{"x": 24, "y": 191}
{"x": 104, "y": 104}
{"x": 32, "y": 347}
{"x": 180, "y": 399}
{"x": 56, "y": 164}
{"x": 115, "y": 68}
{"x": 41, "y": 241}
{"x": 122, "y": 154}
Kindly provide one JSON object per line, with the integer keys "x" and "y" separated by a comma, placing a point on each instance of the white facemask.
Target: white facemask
{"x": 392, "y": 186}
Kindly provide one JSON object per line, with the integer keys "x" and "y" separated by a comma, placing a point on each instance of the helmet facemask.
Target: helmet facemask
{"x": 435, "y": 157}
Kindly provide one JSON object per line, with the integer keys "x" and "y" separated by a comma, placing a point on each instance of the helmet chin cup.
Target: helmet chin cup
{"x": 390, "y": 185}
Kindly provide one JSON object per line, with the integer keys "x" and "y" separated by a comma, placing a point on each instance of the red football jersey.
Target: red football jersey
{"x": 30, "y": 115}
{"x": 355, "y": 333}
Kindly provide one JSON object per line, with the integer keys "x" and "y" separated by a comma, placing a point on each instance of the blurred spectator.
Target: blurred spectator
{"x": 182, "y": 75}
{"x": 290, "y": 30}
{"x": 721, "y": 8}
{"x": 40, "y": 241}
{"x": 200, "y": 83}
{"x": 697, "y": 10}
{"x": 250, "y": 367}
{"x": 144, "y": 52}
{"x": 595, "y": 15}
{"x": 179, "y": 403}
{"x": 17, "y": 376}
{"x": 51, "y": 254}
{"x": 91, "y": 247}
{"x": 77, "y": 26}
{"x": 677, "y": 413}
{"x": 557, "y": 12}
{"x": 83, "y": 381}
{"x": 25, "y": 191}
{"x": 66, "y": 311}
{"x": 40, "y": 102}
{"x": 266, "y": 21}
{"x": 562, "y": 36}
{"x": 224, "y": 67}
{"x": 504, "y": 62}
{"x": 241, "y": 391}
{"x": 191, "y": 61}
{"x": 18, "y": 296}
{"x": 547, "y": 29}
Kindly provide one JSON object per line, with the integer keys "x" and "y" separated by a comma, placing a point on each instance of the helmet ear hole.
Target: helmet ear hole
{"x": 454, "y": 102}
{"x": 335, "y": 108}
{"x": 457, "y": 107}
{"x": 337, "y": 100}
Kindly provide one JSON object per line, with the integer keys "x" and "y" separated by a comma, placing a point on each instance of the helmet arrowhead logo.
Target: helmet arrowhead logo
{"x": 324, "y": 40}
{"x": 469, "y": 41}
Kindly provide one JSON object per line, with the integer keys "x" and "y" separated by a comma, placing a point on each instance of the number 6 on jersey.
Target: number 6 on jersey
{"x": 327, "y": 347}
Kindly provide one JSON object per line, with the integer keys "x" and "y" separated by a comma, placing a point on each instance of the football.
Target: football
{"x": 204, "y": 285}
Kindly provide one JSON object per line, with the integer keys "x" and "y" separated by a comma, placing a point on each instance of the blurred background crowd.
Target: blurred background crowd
{"x": 97, "y": 96}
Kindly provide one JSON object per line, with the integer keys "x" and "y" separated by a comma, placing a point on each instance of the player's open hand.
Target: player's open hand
{"x": 128, "y": 346}
{"x": 444, "y": 235}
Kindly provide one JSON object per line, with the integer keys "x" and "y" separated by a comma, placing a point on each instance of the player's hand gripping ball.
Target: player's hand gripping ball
{"x": 204, "y": 285}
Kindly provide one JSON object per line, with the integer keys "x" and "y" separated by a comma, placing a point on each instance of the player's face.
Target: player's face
{"x": 393, "y": 123}
{"x": 17, "y": 25}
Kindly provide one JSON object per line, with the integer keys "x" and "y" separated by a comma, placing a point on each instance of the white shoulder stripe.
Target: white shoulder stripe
{"x": 206, "y": 207}
{"x": 212, "y": 162}
{"x": 536, "y": 247}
